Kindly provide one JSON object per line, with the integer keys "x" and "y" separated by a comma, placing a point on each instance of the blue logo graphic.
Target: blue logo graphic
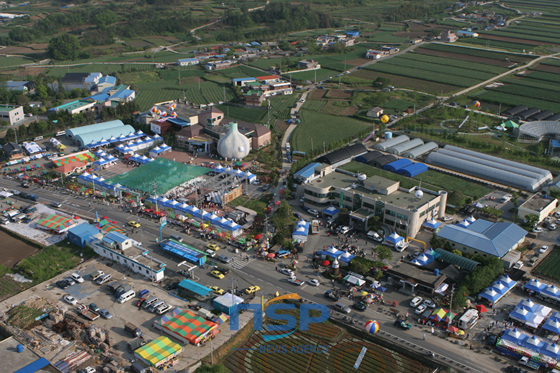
{"x": 291, "y": 322}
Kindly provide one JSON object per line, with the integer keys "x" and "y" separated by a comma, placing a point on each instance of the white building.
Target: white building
{"x": 11, "y": 113}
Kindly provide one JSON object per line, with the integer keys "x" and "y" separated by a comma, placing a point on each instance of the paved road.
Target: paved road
{"x": 262, "y": 273}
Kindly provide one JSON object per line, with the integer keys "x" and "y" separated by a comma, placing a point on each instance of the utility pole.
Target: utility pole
{"x": 450, "y": 305}
{"x": 312, "y": 145}
{"x": 154, "y": 186}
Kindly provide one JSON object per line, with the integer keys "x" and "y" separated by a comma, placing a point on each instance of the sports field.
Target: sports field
{"x": 165, "y": 173}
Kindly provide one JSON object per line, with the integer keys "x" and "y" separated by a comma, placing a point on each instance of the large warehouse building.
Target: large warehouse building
{"x": 499, "y": 170}
{"x": 94, "y": 133}
{"x": 538, "y": 131}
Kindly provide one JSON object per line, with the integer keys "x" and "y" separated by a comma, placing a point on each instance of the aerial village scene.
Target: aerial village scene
{"x": 251, "y": 186}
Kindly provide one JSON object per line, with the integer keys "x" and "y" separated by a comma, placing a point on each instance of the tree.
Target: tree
{"x": 383, "y": 253}
{"x": 218, "y": 368}
{"x": 381, "y": 82}
{"x": 492, "y": 212}
{"x": 64, "y": 47}
{"x": 531, "y": 220}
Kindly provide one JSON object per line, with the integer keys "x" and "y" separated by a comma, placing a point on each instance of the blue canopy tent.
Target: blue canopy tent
{"x": 553, "y": 324}
{"x": 514, "y": 335}
{"x": 491, "y": 295}
{"x": 423, "y": 259}
{"x": 219, "y": 168}
{"x": 551, "y": 291}
{"x": 346, "y": 258}
{"x": 330, "y": 211}
{"x": 535, "y": 285}
{"x": 529, "y": 304}
{"x": 521, "y": 314}
{"x": 301, "y": 231}
{"x": 532, "y": 343}
{"x": 552, "y": 350}
{"x": 431, "y": 224}
{"x": 394, "y": 238}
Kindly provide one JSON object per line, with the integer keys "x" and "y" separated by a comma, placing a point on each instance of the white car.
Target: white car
{"x": 543, "y": 249}
{"x": 70, "y": 300}
{"x": 344, "y": 229}
{"x": 552, "y": 227}
{"x": 537, "y": 230}
{"x": 211, "y": 253}
{"x": 313, "y": 282}
{"x": 76, "y": 277}
{"x": 518, "y": 265}
{"x": 428, "y": 303}
{"x": 313, "y": 212}
{"x": 415, "y": 302}
{"x": 447, "y": 218}
{"x": 420, "y": 309}
{"x": 557, "y": 214}
{"x": 287, "y": 272}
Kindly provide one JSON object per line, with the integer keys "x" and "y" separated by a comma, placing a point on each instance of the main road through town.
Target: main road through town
{"x": 248, "y": 270}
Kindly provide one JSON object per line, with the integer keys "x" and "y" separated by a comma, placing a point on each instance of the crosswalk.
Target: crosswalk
{"x": 239, "y": 263}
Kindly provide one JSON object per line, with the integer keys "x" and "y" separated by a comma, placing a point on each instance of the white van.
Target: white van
{"x": 127, "y": 296}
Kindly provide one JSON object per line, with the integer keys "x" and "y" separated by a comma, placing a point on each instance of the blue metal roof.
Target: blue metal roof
{"x": 84, "y": 230}
{"x": 397, "y": 165}
{"x": 108, "y": 79}
{"x": 123, "y": 93}
{"x": 34, "y": 366}
{"x": 195, "y": 288}
{"x": 100, "y": 97}
{"x": 555, "y": 143}
{"x": 414, "y": 169}
{"x": 179, "y": 122}
{"x": 117, "y": 237}
{"x": 184, "y": 251}
{"x": 308, "y": 170}
{"x": 491, "y": 238}
{"x": 243, "y": 79}
{"x": 189, "y": 60}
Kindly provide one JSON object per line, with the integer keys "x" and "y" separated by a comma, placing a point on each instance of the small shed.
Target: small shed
{"x": 398, "y": 164}
{"x": 375, "y": 112}
{"x": 79, "y": 234}
{"x": 227, "y": 302}
{"x": 188, "y": 288}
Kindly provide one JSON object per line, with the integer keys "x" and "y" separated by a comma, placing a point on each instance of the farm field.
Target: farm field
{"x": 241, "y": 113}
{"x": 401, "y": 81}
{"x": 318, "y": 130}
{"x": 550, "y": 267}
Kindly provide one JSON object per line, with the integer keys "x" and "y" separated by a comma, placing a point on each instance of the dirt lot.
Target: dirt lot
{"x": 12, "y": 250}
{"x": 338, "y": 93}
{"x": 357, "y": 61}
{"x": 548, "y": 68}
{"x": 317, "y": 94}
{"x": 339, "y": 110}
{"x": 464, "y": 57}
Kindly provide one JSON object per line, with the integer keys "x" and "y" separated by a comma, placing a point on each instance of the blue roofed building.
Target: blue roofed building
{"x": 80, "y": 234}
{"x": 123, "y": 95}
{"x": 191, "y": 289}
{"x": 306, "y": 174}
{"x": 105, "y": 82}
{"x": 117, "y": 240}
{"x": 484, "y": 237}
{"x": 242, "y": 82}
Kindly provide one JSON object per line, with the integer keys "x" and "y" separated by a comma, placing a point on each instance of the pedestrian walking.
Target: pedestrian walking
{"x": 432, "y": 330}
{"x": 424, "y": 336}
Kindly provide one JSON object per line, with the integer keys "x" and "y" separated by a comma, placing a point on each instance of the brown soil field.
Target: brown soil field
{"x": 548, "y": 68}
{"x": 357, "y": 61}
{"x": 39, "y": 46}
{"x": 463, "y": 57}
{"x": 513, "y": 40}
{"x": 18, "y": 50}
{"x": 317, "y": 94}
{"x": 338, "y": 93}
{"x": 12, "y": 250}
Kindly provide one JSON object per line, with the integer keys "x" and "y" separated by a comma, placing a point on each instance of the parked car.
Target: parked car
{"x": 211, "y": 253}
{"x": 219, "y": 275}
{"x": 344, "y": 229}
{"x": 420, "y": 309}
{"x": 543, "y": 249}
{"x": 62, "y": 284}
{"x": 415, "y": 302}
{"x": 217, "y": 290}
{"x": 106, "y": 314}
{"x": 70, "y": 300}
{"x": 134, "y": 224}
{"x": 518, "y": 264}
{"x": 360, "y": 306}
{"x": 552, "y": 227}
{"x": 93, "y": 307}
{"x": 313, "y": 212}
{"x": 76, "y": 277}
{"x": 429, "y": 303}
{"x": 70, "y": 281}
{"x": 537, "y": 230}
{"x": 213, "y": 246}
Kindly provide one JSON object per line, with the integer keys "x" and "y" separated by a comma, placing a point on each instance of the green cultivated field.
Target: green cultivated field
{"x": 323, "y": 129}
{"x": 473, "y": 51}
{"x": 240, "y": 113}
{"x": 550, "y": 267}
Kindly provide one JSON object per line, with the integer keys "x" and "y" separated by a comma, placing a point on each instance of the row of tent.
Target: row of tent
{"x": 132, "y": 146}
{"x": 197, "y": 213}
{"x": 523, "y": 344}
{"x": 99, "y": 182}
{"x": 122, "y": 138}
{"x": 228, "y": 170}
{"x": 543, "y": 290}
{"x": 529, "y": 313}
{"x": 333, "y": 252}
{"x": 403, "y": 145}
{"x": 498, "y": 289}
{"x": 533, "y": 114}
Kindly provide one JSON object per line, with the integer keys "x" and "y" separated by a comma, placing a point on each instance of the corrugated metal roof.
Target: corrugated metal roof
{"x": 307, "y": 171}
{"x": 495, "y": 239}
{"x": 457, "y": 260}
{"x": 106, "y": 133}
{"x": 195, "y": 288}
{"x": 94, "y": 127}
